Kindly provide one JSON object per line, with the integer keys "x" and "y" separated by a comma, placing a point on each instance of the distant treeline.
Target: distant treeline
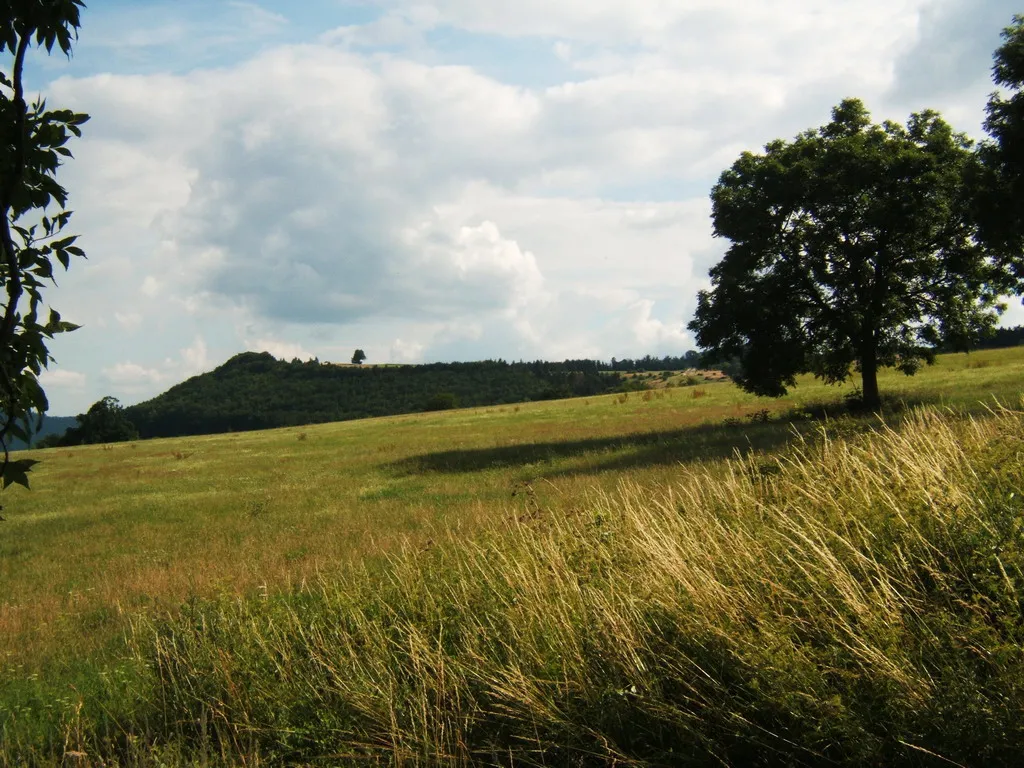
{"x": 1002, "y": 337}
{"x": 256, "y": 391}
{"x": 647, "y": 363}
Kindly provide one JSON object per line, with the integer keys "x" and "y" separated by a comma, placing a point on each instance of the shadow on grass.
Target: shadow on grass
{"x": 700, "y": 442}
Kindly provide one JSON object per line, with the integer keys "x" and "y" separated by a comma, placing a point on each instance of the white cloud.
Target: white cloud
{"x": 402, "y": 27}
{"x": 195, "y": 358}
{"x": 128, "y": 320}
{"x": 256, "y": 19}
{"x": 405, "y": 352}
{"x": 60, "y": 378}
{"x": 132, "y": 375}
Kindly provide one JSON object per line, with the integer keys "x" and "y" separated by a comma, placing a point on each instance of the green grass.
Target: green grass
{"x": 548, "y": 578}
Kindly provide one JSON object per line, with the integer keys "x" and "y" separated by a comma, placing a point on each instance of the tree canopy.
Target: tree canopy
{"x": 33, "y": 214}
{"x": 104, "y": 422}
{"x": 851, "y": 247}
{"x": 358, "y": 357}
{"x": 1000, "y": 202}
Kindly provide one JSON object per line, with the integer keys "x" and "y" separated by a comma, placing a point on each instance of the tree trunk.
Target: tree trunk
{"x": 869, "y": 377}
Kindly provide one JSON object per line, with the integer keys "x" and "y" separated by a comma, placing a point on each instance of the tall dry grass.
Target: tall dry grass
{"x": 856, "y": 601}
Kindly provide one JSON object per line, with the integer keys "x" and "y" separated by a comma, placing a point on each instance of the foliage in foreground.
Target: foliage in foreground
{"x": 857, "y": 602}
{"x": 33, "y": 214}
{"x": 998, "y": 208}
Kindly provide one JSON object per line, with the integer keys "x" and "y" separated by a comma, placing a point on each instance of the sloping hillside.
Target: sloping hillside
{"x": 256, "y": 391}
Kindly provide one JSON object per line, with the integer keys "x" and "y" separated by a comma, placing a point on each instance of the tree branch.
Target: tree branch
{"x": 14, "y": 287}
{"x": 10, "y": 254}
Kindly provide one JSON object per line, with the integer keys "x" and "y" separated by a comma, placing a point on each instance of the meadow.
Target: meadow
{"x": 687, "y": 573}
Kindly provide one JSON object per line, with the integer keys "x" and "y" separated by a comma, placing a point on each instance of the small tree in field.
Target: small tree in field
{"x": 32, "y": 216}
{"x": 358, "y": 357}
{"x": 852, "y": 247}
{"x": 104, "y": 422}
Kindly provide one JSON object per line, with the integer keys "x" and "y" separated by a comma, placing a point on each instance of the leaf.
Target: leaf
{"x": 16, "y": 472}
{"x": 32, "y": 141}
{"x": 18, "y": 431}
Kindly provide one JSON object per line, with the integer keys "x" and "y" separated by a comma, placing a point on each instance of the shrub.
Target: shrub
{"x": 442, "y": 401}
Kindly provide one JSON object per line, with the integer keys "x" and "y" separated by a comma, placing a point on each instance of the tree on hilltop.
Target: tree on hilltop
{"x": 851, "y": 246}
{"x": 33, "y": 213}
{"x": 358, "y": 357}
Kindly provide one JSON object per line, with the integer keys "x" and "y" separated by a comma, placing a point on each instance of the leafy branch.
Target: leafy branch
{"x": 32, "y": 147}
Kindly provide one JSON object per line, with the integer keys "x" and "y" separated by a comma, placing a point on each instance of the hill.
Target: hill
{"x": 256, "y": 391}
{"x": 52, "y": 425}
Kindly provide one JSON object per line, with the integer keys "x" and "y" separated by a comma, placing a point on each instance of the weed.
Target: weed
{"x": 258, "y": 508}
{"x": 762, "y": 416}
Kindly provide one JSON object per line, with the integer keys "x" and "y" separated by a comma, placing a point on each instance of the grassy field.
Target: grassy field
{"x": 136, "y": 580}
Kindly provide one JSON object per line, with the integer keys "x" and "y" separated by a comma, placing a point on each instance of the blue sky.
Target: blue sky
{"x": 442, "y": 179}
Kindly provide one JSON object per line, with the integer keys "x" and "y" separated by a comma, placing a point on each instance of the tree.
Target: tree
{"x": 358, "y": 357}
{"x": 1000, "y": 199}
{"x": 441, "y": 401}
{"x": 851, "y": 246}
{"x": 33, "y": 214}
{"x": 104, "y": 422}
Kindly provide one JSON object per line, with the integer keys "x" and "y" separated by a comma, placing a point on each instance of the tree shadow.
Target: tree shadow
{"x": 757, "y": 432}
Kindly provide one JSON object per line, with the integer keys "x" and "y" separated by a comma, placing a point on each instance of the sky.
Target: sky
{"x": 434, "y": 180}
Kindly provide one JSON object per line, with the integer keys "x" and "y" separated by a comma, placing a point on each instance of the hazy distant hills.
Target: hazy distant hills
{"x": 52, "y": 425}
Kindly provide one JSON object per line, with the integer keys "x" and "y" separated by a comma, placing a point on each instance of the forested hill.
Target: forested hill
{"x": 256, "y": 391}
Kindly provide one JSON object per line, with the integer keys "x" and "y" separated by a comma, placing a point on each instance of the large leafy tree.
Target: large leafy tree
{"x": 33, "y": 214}
{"x": 852, "y": 248}
{"x": 1000, "y": 202}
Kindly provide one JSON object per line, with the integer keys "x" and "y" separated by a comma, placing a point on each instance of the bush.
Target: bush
{"x": 442, "y": 401}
